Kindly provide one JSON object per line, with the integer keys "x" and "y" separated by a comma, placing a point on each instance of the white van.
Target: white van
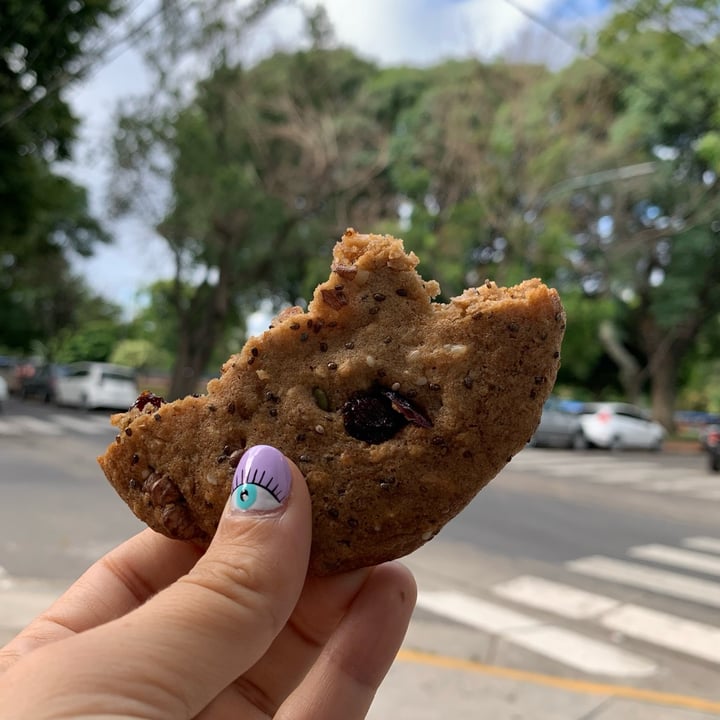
{"x": 97, "y": 385}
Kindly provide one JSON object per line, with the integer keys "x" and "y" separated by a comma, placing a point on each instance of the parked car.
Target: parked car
{"x": 3, "y": 392}
{"x": 559, "y": 427}
{"x": 706, "y": 431}
{"x": 620, "y": 425}
{"x": 97, "y": 385}
{"x": 712, "y": 446}
{"x": 43, "y": 384}
{"x": 7, "y": 369}
{"x": 23, "y": 368}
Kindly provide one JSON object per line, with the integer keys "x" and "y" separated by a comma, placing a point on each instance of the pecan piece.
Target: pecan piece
{"x": 334, "y": 298}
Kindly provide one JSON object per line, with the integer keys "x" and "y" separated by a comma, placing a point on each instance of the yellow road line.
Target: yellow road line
{"x": 688, "y": 702}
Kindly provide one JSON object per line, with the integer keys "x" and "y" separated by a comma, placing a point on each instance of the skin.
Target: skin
{"x": 160, "y": 631}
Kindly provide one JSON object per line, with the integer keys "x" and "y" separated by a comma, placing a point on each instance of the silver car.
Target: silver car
{"x": 619, "y": 425}
{"x": 97, "y": 385}
{"x": 3, "y": 392}
{"x": 559, "y": 427}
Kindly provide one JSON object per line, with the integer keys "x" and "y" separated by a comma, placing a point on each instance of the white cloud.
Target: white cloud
{"x": 418, "y": 32}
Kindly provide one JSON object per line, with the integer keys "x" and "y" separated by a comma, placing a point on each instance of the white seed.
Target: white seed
{"x": 413, "y": 355}
{"x": 370, "y": 360}
{"x": 362, "y": 277}
{"x": 456, "y": 350}
{"x": 319, "y": 429}
{"x": 395, "y": 387}
{"x": 427, "y": 535}
{"x": 422, "y": 380}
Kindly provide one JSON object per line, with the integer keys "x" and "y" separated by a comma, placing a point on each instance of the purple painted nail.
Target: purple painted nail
{"x": 261, "y": 482}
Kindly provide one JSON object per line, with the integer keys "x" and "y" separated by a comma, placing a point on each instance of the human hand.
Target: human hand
{"x": 160, "y": 631}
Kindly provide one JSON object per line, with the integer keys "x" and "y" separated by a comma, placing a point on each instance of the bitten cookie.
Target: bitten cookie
{"x": 398, "y": 410}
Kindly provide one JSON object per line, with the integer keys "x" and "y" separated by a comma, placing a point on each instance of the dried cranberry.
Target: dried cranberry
{"x": 369, "y": 416}
{"x": 148, "y": 398}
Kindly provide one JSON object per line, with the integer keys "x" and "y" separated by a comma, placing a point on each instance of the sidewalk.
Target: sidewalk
{"x": 421, "y": 686}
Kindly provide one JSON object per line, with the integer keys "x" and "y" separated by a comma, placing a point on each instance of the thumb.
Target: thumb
{"x": 190, "y": 641}
{"x": 218, "y": 621}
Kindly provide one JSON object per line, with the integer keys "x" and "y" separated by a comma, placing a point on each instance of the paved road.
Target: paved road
{"x": 593, "y": 567}
{"x": 569, "y": 573}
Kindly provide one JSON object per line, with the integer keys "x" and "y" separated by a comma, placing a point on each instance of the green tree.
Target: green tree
{"x": 268, "y": 166}
{"x": 42, "y": 214}
{"x": 463, "y": 205}
{"x": 140, "y": 354}
{"x": 661, "y": 244}
{"x": 91, "y": 334}
{"x": 619, "y": 150}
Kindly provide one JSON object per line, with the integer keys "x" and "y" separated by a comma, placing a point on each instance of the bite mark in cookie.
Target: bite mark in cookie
{"x": 398, "y": 410}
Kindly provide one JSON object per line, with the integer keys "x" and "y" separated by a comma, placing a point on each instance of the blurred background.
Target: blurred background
{"x": 174, "y": 172}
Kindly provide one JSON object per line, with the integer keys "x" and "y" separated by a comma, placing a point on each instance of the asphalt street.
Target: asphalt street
{"x": 598, "y": 570}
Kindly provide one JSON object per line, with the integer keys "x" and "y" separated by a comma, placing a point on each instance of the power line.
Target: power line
{"x": 614, "y": 69}
{"x": 96, "y": 49}
{"x": 539, "y": 20}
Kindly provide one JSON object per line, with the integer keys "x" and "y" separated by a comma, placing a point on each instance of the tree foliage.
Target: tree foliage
{"x": 43, "y": 215}
{"x": 599, "y": 178}
{"x": 602, "y": 178}
{"x": 663, "y": 245}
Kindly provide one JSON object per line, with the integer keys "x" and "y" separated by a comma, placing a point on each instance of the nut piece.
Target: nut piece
{"x": 335, "y": 298}
{"x": 345, "y": 271}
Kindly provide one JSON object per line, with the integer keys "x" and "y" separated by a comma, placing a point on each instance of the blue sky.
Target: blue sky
{"x": 570, "y": 9}
{"x": 419, "y": 32}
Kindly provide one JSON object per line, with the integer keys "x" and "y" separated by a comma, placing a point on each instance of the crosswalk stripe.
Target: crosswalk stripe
{"x": 640, "y": 576}
{"x": 54, "y": 424}
{"x": 628, "y": 476}
{"x": 688, "y": 559}
{"x": 640, "y": 475}
{"x": 7, "y": 428}
{"x": 669, "y": 631}
{"x": 554, "y": 597}
{"x": 36, "y": 425}
{"x": 696, "y": 482}
{"x": 703, "y": 543}
{"x": 604, "y": 474}
{"x": 590, "y": 656}
{"x": 82, "y": 425}
{"x": 474, "y": 612}
{"x": 563, "y": 646}
{"x": 657, "y": 628}
{"x": 711, "y": 494}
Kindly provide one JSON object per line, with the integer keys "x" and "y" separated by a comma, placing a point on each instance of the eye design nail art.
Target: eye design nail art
{"x": 261, "y": 481}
